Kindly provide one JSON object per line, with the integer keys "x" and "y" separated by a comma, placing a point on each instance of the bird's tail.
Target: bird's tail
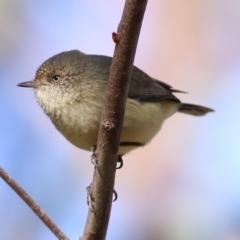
{"x": 195, "y": 110}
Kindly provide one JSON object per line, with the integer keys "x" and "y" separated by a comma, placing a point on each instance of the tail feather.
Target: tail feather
{"x": 195, "y": 110}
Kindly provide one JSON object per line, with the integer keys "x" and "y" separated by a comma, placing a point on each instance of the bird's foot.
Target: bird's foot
{"x": 93, "y": 156}
{"x": 120, "y": 161}
{"x": 89, "y": 197}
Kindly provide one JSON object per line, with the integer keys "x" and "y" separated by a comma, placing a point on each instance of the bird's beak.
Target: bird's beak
{"x": 30, "y": 84}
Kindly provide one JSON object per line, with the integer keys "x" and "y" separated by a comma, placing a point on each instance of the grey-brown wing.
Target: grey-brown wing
{"x": 144, "y": 88}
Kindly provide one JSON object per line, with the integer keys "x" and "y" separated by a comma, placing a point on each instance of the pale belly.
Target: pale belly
{"x": 141, "y": 123}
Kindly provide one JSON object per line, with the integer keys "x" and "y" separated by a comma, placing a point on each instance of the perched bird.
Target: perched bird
{"x": 71, "y": 88}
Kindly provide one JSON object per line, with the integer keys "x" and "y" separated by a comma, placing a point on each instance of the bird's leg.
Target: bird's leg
{"x": 126, "y": 144}
{"x": 89, "y": 188}
{"x": 93, "y": 158}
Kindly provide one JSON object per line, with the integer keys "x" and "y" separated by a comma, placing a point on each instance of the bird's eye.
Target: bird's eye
{"x": 55, "y": 78}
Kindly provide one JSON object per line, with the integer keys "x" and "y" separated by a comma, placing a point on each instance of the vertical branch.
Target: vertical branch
{"x": 101, "y": 189}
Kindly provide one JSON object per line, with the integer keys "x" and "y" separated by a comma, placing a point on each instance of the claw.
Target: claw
{"x": 93, "y": 156}
{"x": 93, "y": 160}
{"x": 89, "y": 202}
{"x": 89, "y": 198}
{"x": 115, "y": 195}
{"x": 120, "y": 161}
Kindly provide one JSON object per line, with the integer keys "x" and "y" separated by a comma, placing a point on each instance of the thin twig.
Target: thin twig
{"x": 33, "y": 205}
{"x": 101, "y": 189}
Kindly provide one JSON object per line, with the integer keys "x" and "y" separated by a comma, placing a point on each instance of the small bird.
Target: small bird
{"x": 71, "y": 87}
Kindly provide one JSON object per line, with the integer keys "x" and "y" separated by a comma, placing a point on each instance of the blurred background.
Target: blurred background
{"x": 185, "y": 185}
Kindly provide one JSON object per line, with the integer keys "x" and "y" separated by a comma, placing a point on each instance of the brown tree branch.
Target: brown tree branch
{"x": 101, "y": 189}
{"x": 33, "y": 205}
